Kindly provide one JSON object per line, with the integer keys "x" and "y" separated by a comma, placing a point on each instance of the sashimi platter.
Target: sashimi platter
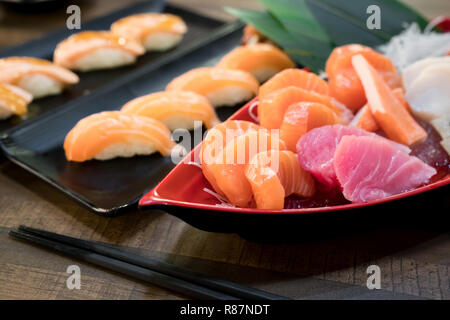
{"x": 360, "y": 133}
{"x": 363, "y": 124}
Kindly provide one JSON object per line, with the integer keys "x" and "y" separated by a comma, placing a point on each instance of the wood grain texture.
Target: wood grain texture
{"x": 414, "y": 258}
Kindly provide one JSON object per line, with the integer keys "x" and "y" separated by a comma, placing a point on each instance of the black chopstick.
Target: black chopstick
{"x": 153, "y": 277}
{"x": 236, "y": 290}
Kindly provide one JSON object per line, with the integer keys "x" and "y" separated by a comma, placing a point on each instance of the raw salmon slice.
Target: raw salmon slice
{"x": 316, "y": 150}
{"x": 222, "y": 87}
{"x": 302, "y": 117}
{"x": 294, "y": 77}
{"x": 274, "y": 175}
{"x": 364, "y": 118}
{"x": 262, "y": 60}
{"x": 176, "y": 109}
{"x": 344, "y": 83}
{"x": 229, "y": 166}
{"x": 215, "y": 141}
{"x": 388, "y": 112}
{"x": 369, "y": 168}
{"x": 272, "y": 108}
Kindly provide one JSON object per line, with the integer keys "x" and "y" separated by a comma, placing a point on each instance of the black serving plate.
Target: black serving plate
{"x": 112, "y": 187}
{"x": 200, "y": 27}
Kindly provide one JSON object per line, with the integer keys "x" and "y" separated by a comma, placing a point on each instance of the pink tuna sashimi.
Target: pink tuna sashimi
{"x": 316, "y": 150}
{"x": 369, "y": 168}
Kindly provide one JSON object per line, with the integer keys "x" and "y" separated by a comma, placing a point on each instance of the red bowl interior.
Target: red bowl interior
{"x": 184, "y": 185}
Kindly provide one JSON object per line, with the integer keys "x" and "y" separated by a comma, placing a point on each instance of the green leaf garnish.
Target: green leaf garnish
{"x": 309, "y": 29}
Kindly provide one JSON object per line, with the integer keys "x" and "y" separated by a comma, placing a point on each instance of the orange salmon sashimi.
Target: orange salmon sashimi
{"x": 215, "y": 141}
{"x": 294, "y": 77}
{"x": 274, "y": 175}
{"x": 302, "y": 117}
{"x": 364, "y": 119}
{"x": 176, "y": 109}
{"x": 389, "y": 113}
{"x": 262, "y": 60}
{"x": 229, "y": 166}
{"x": 272, "y": 108}
{"x": 111, "y": 134}
{"x": 343, "y": 81}
{"x": 222, "y": 87}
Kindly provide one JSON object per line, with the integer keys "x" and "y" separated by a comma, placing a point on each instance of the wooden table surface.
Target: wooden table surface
{"x": 414, "y": 259}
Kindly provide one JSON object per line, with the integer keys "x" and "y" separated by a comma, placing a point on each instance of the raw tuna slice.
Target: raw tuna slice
{"x": 316, "y": 150}
{"x": 369, "y": 168}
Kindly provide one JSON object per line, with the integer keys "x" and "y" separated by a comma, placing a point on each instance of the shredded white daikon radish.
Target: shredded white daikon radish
{"x": 193, "y": 163}
{"x": 225, "y": 205}
{"x": 412, "y": 45}
{"x": 323, "y": 75}
{"x": 223, "y": 202}
{"x": 251, "y": 110}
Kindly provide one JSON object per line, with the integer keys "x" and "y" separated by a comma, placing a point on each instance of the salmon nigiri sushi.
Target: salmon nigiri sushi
{"x": 275, "y": 175}
{"x": 13, "y": 101}
{"x": 343, "y": 81}
{"x": 155, "y": 31}
{"x": 228, "y": 168}
{"x": 176, "y": 109}
{"x": 294, "y": 77}
{"x": 271, "y": 108}
{"x": 222, "y": 87}
{"x": 37, "y": 76}
{"x": 94, "y": 50}
{"x": 262, "y": 60}
{"x": 112, "y": 134}
{"x": 302, "y": 117}
{"x": 215, "y": 141}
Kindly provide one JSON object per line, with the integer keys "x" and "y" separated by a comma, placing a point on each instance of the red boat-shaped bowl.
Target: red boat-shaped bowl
{"x": 185, "y": 193}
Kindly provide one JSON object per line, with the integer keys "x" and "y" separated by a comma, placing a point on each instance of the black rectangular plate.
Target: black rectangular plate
{"x": 111, "y": 187}
{"x": 199, "y": 27}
